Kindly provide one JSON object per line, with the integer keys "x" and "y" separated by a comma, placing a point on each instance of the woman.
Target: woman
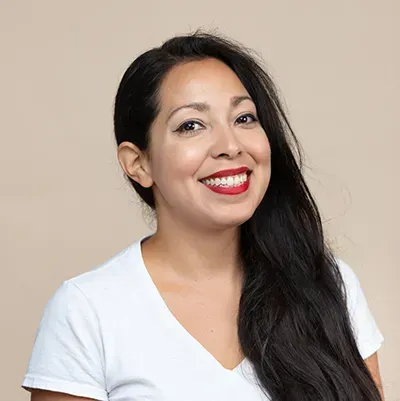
{"x": 236, "y": 295}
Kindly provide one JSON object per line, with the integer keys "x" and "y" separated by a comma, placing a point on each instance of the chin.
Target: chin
{"x": 231, "y": 220}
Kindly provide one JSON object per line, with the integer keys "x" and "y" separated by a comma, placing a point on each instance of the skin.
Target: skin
{"x": 190, "y": 217}
{"x": 192, "y": 257}
{"x": 373, "y": 365}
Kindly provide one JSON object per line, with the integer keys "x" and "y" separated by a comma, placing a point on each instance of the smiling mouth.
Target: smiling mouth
{"x": 230, "y": 181}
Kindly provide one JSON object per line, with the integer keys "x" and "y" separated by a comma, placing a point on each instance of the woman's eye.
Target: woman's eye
{"x": 189, "y": 126}
{"x": 246, "y": 119}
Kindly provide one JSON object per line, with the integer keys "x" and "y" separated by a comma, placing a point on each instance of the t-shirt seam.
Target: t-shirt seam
{"x": 94, "y": 311}
{"x": 35, "y": 380}
{"x": 373, "y": 345}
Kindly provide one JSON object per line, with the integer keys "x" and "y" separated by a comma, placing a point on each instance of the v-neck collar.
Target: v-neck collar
{"x": 172, "y": 320}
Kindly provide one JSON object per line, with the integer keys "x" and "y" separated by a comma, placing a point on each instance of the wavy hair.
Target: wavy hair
{"x": 293, "y": 322}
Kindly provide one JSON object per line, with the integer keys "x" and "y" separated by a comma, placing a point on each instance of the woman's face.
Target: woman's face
{"x": 207, "y": 123}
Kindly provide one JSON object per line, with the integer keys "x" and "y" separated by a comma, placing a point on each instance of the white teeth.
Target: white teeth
{"x": 231, "y": 181}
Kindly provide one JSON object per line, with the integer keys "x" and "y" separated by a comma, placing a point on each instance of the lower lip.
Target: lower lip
{"x": 230, "y": 190}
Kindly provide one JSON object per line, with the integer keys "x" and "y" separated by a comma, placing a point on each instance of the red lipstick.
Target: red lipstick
{"x": 229, "y": 190}
{"x": 227, "y": 173}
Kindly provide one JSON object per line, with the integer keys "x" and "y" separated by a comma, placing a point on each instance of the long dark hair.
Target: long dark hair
{"x": 293, "y": 321}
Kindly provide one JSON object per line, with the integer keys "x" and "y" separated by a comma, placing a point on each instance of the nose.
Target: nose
{"x": 226, "y": 144}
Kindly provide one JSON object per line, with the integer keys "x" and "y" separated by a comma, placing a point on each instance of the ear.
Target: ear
{"x": 135, "y": 164}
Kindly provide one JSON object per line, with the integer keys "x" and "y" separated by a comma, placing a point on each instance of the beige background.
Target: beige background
{"x": 64, "y": 204}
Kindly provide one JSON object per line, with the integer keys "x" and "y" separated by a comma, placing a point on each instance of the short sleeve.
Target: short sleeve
{"x": 367, "y": 334}
{"x": 67, "y": 354}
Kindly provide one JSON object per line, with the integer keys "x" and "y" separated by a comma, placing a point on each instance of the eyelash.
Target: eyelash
{"x": 181, "y": 128}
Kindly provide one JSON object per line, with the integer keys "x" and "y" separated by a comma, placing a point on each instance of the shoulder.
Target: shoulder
{"x": 348, "y": 275}
{"x": 351, "y": 284}
{"x": 367, "y": 334}
{"x": 80, "y": 324}
{"x": 105, "y": 287}
{"x": 114, "y": 274}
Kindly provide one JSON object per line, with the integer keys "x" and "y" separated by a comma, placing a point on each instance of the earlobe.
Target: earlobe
{"x": 135, "y": 164}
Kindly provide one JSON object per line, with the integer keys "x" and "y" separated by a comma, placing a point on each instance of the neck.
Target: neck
{"x": 196, "y": 255}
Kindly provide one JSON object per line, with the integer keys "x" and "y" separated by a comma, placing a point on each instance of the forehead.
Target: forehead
{"x": 203, "y": 80}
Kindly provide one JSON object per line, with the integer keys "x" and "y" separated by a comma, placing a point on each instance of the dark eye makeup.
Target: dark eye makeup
{"x": 190, "y": 125}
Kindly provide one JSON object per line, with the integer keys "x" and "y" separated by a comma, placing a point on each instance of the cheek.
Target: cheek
{"x": 259, "y": 149}
{"x": 178, "y": 161}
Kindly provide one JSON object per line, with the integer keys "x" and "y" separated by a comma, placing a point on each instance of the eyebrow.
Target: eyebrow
{"x": 202, "y": 107}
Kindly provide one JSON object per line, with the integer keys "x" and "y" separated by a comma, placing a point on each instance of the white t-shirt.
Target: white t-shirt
{"x": 108, "y": 335}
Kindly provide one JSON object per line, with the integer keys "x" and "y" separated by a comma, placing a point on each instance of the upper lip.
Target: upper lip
{"x": 228, "y": 172}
